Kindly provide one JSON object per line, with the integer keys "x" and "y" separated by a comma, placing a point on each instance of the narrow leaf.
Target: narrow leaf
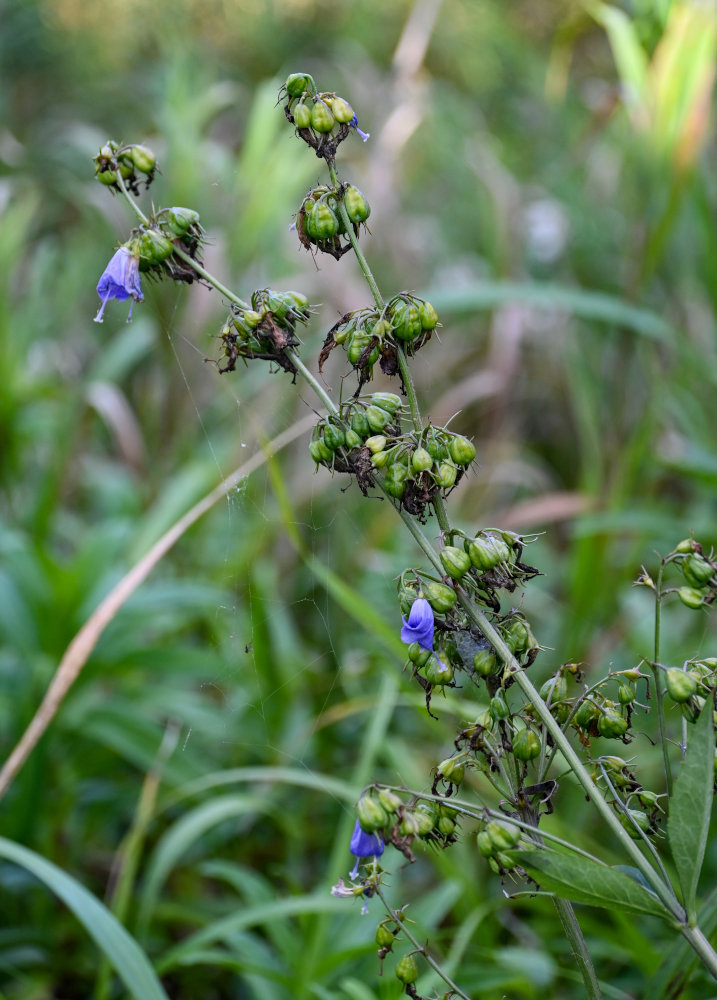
{"x": 129, "y": 961}
{"x": 691, "y": 806}
{"x": 584, "y": 881}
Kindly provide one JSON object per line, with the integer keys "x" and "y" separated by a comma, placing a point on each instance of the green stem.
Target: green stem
{"x": 659, "y": 699}
{"x": 313, "y": 381}
{"x": 348, "y": 226}
{"x": 419, "y": 947}
{"x": 579, "y": 949}
{"x": 704, "y": 949}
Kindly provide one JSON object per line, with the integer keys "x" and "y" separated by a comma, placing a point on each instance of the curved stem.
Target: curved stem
{"x": 419, "y": 947}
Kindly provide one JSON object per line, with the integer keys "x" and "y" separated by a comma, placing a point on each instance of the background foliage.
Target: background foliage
{"x": 542, "y": 171}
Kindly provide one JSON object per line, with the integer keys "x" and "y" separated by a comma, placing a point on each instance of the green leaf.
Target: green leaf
{"x": 584, "y": 881}
{"x": 129, "y": 961}
{"x": 691, "y": 806}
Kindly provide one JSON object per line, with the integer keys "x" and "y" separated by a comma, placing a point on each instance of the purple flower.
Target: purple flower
{"x": 419, "y": 627}
{"x": 354, "y": 124}
{"x": 120, "y": 280}
{"x": 365, "y": 845}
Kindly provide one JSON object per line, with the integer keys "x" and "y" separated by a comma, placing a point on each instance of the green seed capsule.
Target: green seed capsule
{"x": 485, "y": 844}
{"x": 317, "y": 452}
{"x": 351, "y": 439}
{"x": 388, "y": 401}
{"x": 485, "y": 663}
{"x": 441, "y": 597}
{"x": 379, "y": 459}
{"x": 425, "y": 817}
{"x": 377, "y": 418}
{"x": 503, "y": 836}
{"x": 452, "y": 769}
{"x": 343, "y": 112}
{"x": 357, "y": 208}
{"x": 321, "y": 222}
{"x": 376, "y": 443}
{"x": 180, "y": 220}
{"x": 626, "y": 694}
{"x": 554, "y": 689}
{"x": 298, "y": 83}
{"x": 407, "y": 970}
{"x": 526, "y": 745}
{"x": 428, "y": 316}
{"x": 421, "y": 460}
{"x": 359, "y": 423}
{"x": 632, "y": 818}
{"x": 371, "y": 814}
{"x": 461, "y": 450}
{"x": 143, "y": 158}
{"x": 395, "y": 480}
{"x": 153, "y": 249}
{"x": 405, "y": 321}
{"x": 612, "y": 725}
{"x": 302, "y": 116}
{"x": 333, "y": 437}
{"x": 106, "y": 177}
{"x": 455, "y": 561}
{"x": 499, "y": 707}
{"x": 384, "y": 937}
{"x": 585, "y": 714}
{"x": 691, "y": 597}
{"x": 389, "y": 800}
{"x": 437, "y": 672}
{"x": 680, "y": 685}
{"x": 697, "y": 570}
{"x": 322, "y": 118}
{"x": 446, "y": 475}
{"x": 446, "y": 825}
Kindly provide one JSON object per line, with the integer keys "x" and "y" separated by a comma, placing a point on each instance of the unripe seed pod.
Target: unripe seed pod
{"x": 388, "y": 401}
{"x": 446, "y": 475}
{"x": 352, "y": 440}
{"x": 587, "y": 711}
{"x": 485, "y": 663}
{"x": 446, "y": 825}
{"x": 428, "y": 316}
{"x": 357, "y": 208}
{"x": 486, "y": 551}
{"x": 421, "y": 460}
{"x": 407, "y": 970}
{"x": 452, "y": 769}
{"x": 143, "y": 158}
{"x": 377, "y": 418}
{"x": 685, "y": 546}
{"x": 322, "y": 118}
{"x": 375, "y": 443}
{"x": 405, "y": 321}
{"x": 252, "y": 318}
{"x": 389, "y": 800}
{"x": 359, "y": 423}
{"x": 691, "y": 597}
{"x": 626, "y": 694}
{"x": 317, "y": 452}
{"x": 635, "y": 816}
{"x": 439, "y": 596}
{"x": 518, "y": 637}
{"x": 436, "y": 449}
{"x": 499, "y": 707}
{"x": 503, "y": 836}
{"x": 697, "y": 570}
{"x": 437, "y": 672}
{"x": 180, "y": 220}
{"x": 371, "y": 814}
{"x": 425, "y": 818}
{"x": 107, "y": 177}
{"x": 321, "y": 222}
{"x": 455, "y": 561}
{"x": 299, "y": 83}
{"x": 419, "y": 654}
{"x": 611, "y": 724}
{"x": 680, "y": 685}
{"x": 554, "y": 689}
{"x": 154, "y": 248}
{"x": 343, "y": 112}
{"x": 526, "y": 745}
{"x": 395, "y": 480}
{"x": 409, "y": 824}
{"x": 333, "y": 437}
{"x": 462, "y": 450}
{"x": 384, "y": 937}
{"x": 379, "y": 459}
{"x": 485, "y": 844}
{"x": 302, "y": 116}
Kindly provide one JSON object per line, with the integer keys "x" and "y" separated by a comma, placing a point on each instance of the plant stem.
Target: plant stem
{"x": 660, "y": 701}
{"x": 579, "y": 949}
{"x": 348, "y": 226}
{"x": 420, "y": 948}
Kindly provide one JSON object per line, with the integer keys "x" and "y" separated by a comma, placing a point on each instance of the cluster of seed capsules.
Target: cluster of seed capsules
{"x": 134, "y": 163}
{"x": 320, "y": 223}
{"x": 266, "y": 330}
{"x": 383, "y": 812}
{"x": 366, "y": 439}
{"x": 700, "y": 573}
{"x": 321, "y": 118}
{"x": 154, "y": 243}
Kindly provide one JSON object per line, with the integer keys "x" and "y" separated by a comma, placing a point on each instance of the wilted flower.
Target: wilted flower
{"x": 354, "y": 124}
{"x": 365, "y": 845}
{"x": 120, "y": 280}
{"x": 419, "y": 627}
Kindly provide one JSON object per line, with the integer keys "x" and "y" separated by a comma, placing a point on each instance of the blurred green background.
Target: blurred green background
{"x": 542, "y": 170}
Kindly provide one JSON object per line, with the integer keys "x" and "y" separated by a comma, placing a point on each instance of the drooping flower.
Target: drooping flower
{"x": 365, "y": 845}
{"x": 120, "y": 280}
{"x": 354, "y": 124}
{"x": 419, "y": 627}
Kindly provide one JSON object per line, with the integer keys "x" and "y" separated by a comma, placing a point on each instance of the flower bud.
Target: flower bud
{"x": 455, "y": 561}
{"x": 371, "y": 814}
{"x": 680, "y": 684}
{"x": 441, "y": 597}
{"x": 691, "y": 597}
{"x": 462, "y": 450}
{"x": 407, "y": 970}
{"x": 526, "y": 745}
